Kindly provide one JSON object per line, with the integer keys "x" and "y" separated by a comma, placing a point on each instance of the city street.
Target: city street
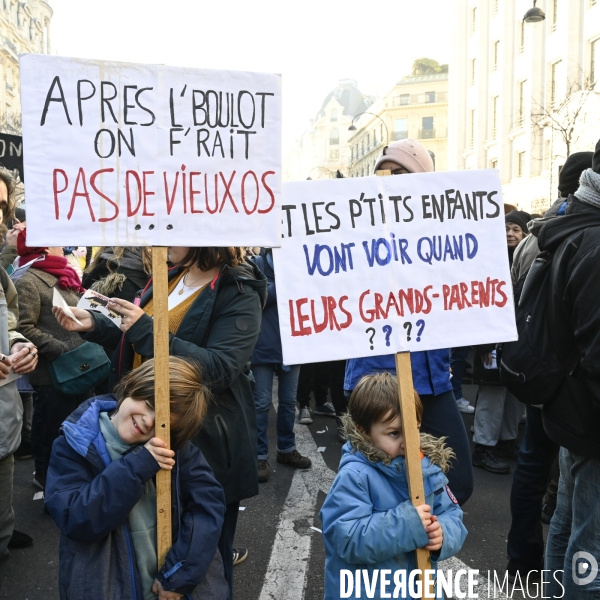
{"x": 279, "y": 527}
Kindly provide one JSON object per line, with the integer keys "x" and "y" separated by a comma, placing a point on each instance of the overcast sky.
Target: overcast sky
{"x": 312, "y": 43}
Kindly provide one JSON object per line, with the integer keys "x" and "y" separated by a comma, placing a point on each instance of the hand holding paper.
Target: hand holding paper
{"x": 71, "y": 319}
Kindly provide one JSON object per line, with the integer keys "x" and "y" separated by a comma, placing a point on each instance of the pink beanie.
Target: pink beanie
{"x": 409, "y": 154}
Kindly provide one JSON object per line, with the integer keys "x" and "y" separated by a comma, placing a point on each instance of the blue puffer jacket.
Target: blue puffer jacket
{"x": 90, "y": 498}
{"x": 430, "y": 370}
{"x": 369, "y": 522}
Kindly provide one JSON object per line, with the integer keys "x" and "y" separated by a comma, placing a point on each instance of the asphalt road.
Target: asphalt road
{"x": 286, "y": 556}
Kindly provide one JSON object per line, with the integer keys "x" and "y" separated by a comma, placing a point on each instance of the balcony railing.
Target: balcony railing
{"x": 10, "y": 45}
{"x": 426, "y": 134}
{"x": 399, "y": 135}
{"x": 427, "y": 98}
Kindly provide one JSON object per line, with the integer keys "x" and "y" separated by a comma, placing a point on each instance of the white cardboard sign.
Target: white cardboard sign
{"x": 378, "y": 265}
{"x": 126, "y": 154}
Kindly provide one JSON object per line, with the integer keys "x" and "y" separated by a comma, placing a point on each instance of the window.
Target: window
{"x": 334, "y": 137}
{"x": 368, "y": 142}
{"x": 494, "y": 131}
{"x": 494, "y": 163}
{"x": 400, "y": 129}
{"x": 404, "y": 99}
{"x": 473, "y": 70}
{"x": 473, "y": 19}
{"x": 472, "y": 128}
{"x": 333, "y": 115}
{"x": 594, "y": 62}
{"x": 351, "y": 154}
{"x": 427, "y": 130}
{"x": 554, "y": 14}
{"x": 554, "y": 81}
{"x": 334, "y": 154}
{"x": 521, "y": 103}
{"x": 495, "y": 55}
{"x": 429, "y": 97}
{"x": 522, "y": 36}
{"x": 521, "y": 164}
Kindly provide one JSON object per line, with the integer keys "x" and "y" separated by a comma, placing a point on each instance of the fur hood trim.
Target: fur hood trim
{"x": 434, "y": 448}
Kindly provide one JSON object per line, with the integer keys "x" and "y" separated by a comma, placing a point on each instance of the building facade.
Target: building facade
{"x": 323, "y": 149}
{"x": 24, "y": 27}
{"x": 417, "y": 107}
{"x": 522, "y": 96}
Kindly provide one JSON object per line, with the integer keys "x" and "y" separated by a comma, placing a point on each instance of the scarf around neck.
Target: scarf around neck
{"x": 53, "y": 265}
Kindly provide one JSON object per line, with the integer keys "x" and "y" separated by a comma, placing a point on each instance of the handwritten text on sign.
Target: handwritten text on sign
{"x": 378, "y": 265}
{"x": 128, "y": 154}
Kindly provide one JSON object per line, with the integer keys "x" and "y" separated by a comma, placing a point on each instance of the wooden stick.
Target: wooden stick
{"x": 412, "y": 442}
{"x": 160, "y": 295}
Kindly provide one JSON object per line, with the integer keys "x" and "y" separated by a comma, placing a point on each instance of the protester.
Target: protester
{"x": 119, "y": 272}
{"x": 369, "y": 522}
{"x": 538, "y": 453}
{"x": 9, "y": 252}
{"x": 267, "y": 360}
{"x": 431, "y": 369}
{"x": 516, "y": 229}
{"x": 572, "y": 419}
{"x": 458, "y": 365}
{"x": 215, "y": 307}
{"x": 101, "y": 494}
{"x": 497, "y": 411}
{"x": 314, "y": 377}
{"x": 48, "y": 271}
{"x": 20, "y": 354}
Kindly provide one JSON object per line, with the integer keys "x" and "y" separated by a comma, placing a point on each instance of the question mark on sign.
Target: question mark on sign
{"x": 372, "y": 330}
{"x": 387, "y": 329}
{"x": 408, "y": 327}
{"x": 421, "y": 326}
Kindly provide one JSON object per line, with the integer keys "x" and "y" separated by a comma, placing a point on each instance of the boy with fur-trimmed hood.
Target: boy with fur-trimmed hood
{"x": 369, "y": 522}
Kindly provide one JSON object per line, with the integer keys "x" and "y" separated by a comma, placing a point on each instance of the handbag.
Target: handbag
{"x": 79, "y": 370}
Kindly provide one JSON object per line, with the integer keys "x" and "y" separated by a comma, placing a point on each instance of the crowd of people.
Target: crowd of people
{"x": 91, "y": 433}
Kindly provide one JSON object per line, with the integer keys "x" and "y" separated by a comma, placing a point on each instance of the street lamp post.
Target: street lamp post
{"x": 353, "y": 127}
{"x": 534, "y": 15}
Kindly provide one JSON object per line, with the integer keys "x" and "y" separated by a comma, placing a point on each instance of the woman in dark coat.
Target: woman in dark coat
{"x": 215, "y": 309}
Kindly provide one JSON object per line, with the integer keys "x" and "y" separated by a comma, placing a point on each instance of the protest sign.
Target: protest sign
{"x": 123, "y": 154}
{"x": 380, "y": 265}
{"x": 11, "y": 154}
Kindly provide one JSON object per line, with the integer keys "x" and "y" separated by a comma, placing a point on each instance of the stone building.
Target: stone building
{"x": 416, "y": 107}
{"x": 24, "y": 27}
{"x": 515, "y": 85}
{"x": 323, "y": 148}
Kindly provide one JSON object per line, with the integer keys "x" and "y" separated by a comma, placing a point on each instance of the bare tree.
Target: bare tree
{"x": 565, "y": 117}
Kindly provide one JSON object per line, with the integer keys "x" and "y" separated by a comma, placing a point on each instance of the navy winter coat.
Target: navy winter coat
{"x": 268, "y": 346}
{"x": 90, "y": 498}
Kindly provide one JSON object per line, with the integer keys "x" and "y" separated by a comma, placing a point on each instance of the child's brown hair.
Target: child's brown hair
{"x": 188, "y": 395}
{"x": 375, "y": 400}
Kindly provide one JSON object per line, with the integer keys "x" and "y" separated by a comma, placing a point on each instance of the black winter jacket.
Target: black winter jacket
{"x": 219, "y": 332}
{"x": 572, "y": 419}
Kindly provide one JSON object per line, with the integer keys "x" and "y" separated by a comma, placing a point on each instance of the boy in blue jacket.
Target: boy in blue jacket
{"x": 101, "y": 494}
{"x": 369, "y": 522}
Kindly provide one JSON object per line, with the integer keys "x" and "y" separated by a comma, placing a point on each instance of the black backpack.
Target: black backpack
{"x": 529, "y": 367}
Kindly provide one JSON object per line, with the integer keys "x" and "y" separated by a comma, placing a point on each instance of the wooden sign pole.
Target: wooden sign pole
{"x": 160, "y": 295}
{"x": 412, "y": 441}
